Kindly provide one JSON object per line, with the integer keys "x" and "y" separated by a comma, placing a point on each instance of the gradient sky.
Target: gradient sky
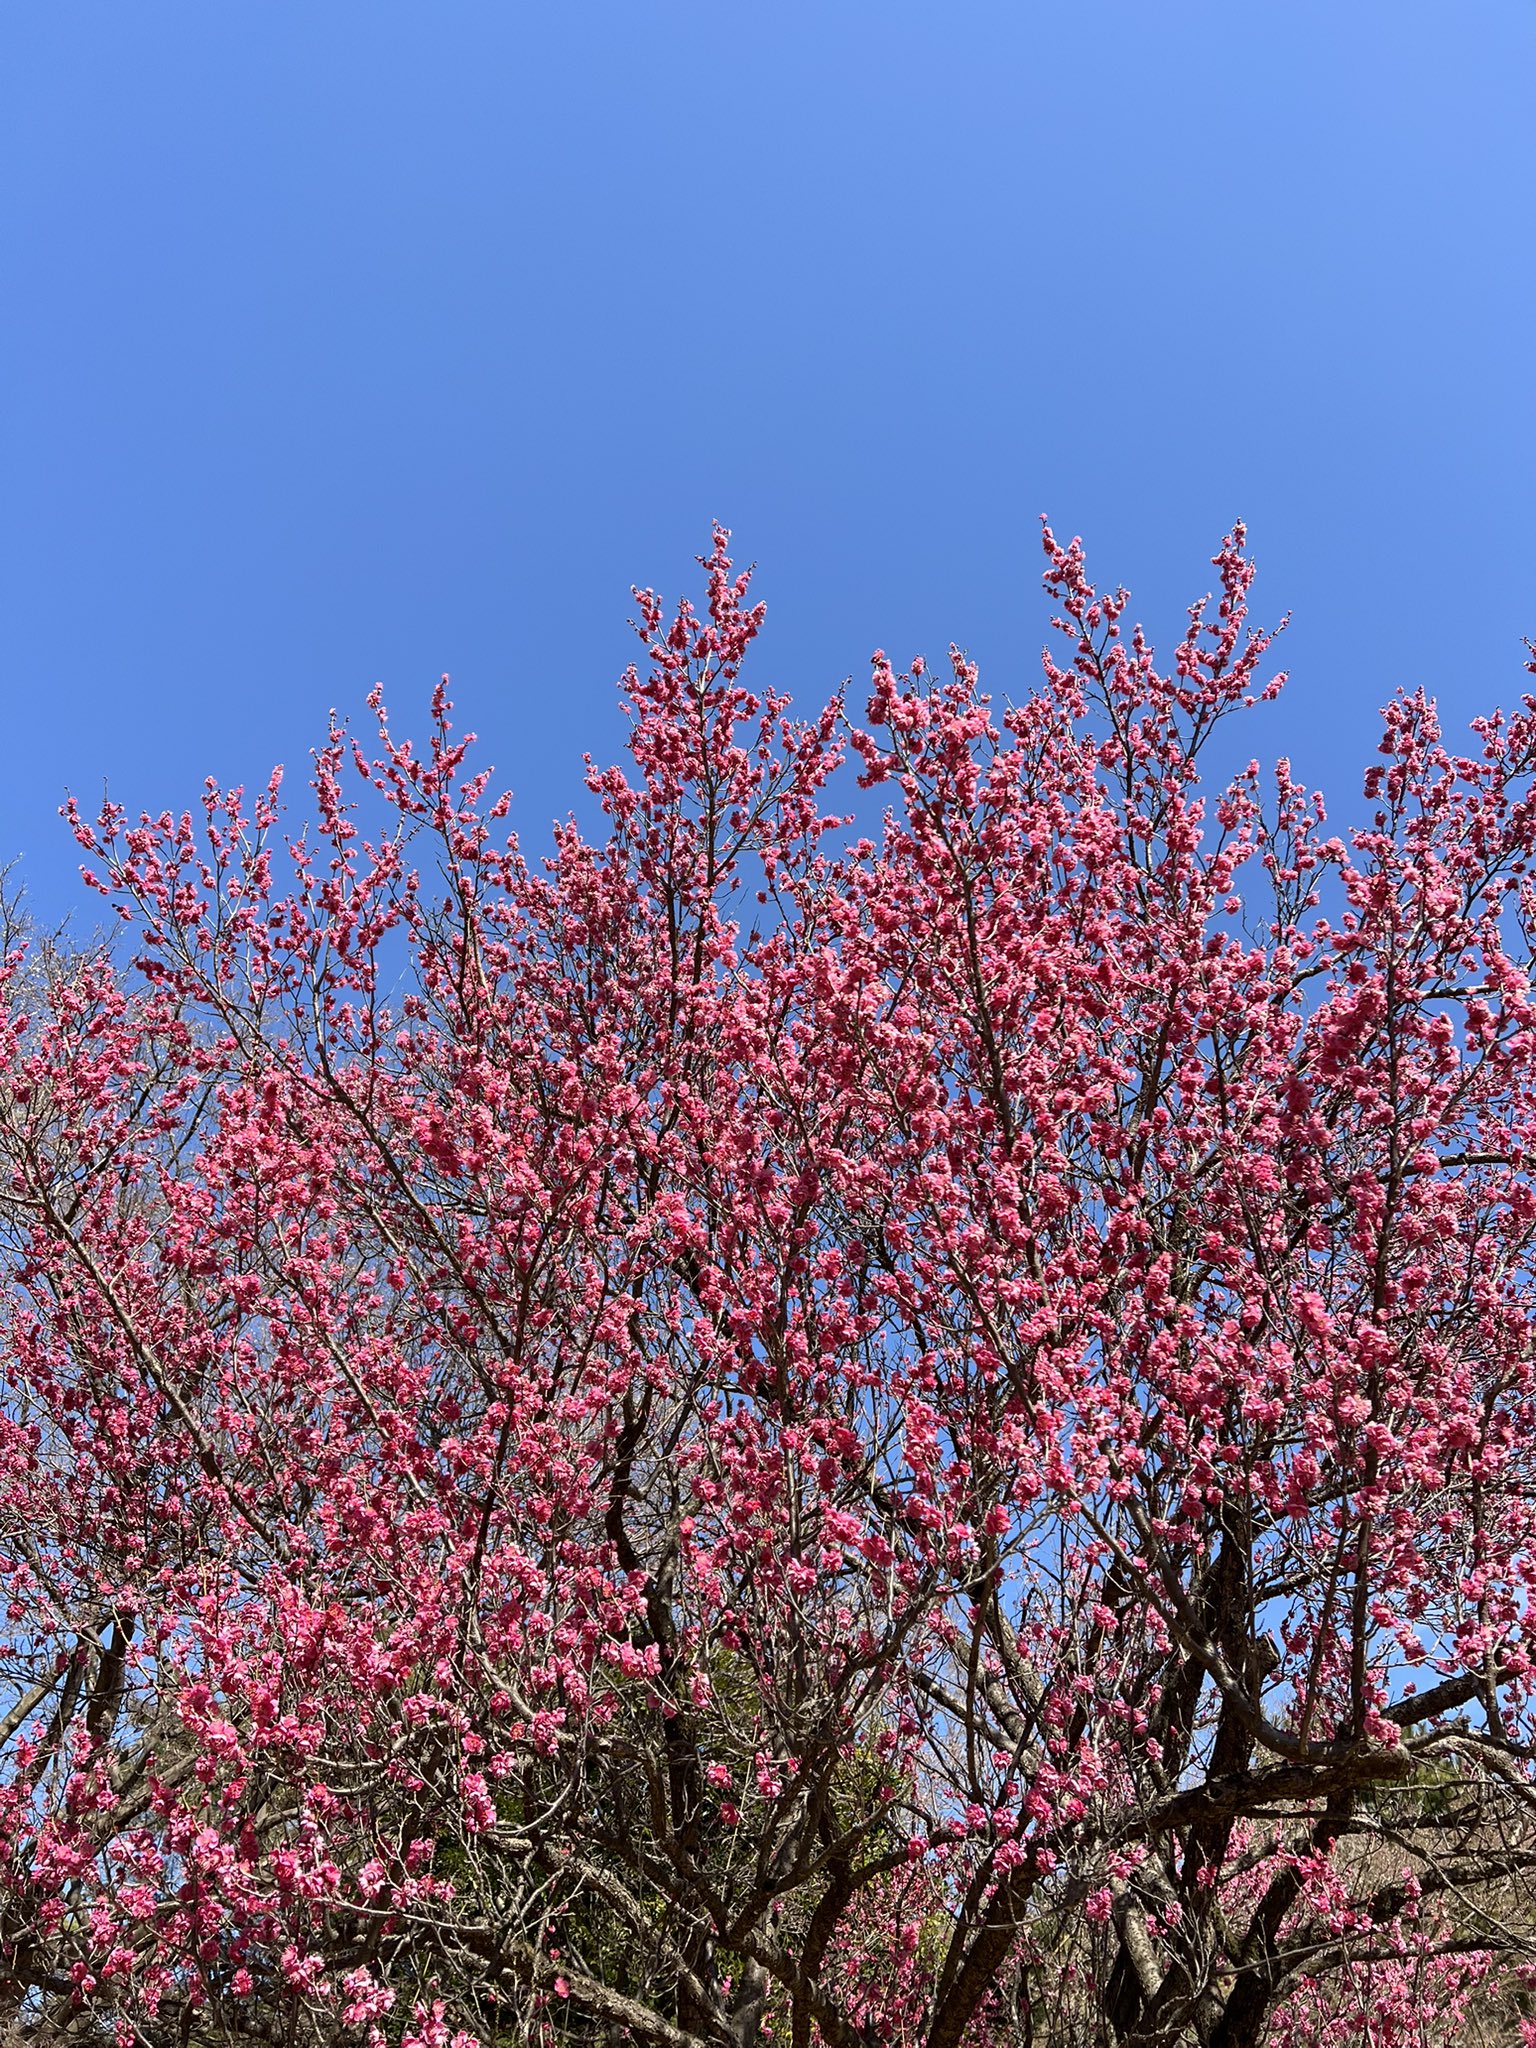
{"x": 346, "y": 342}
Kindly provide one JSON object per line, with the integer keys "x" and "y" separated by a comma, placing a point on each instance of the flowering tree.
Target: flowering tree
{"x": 758, "y": 1434}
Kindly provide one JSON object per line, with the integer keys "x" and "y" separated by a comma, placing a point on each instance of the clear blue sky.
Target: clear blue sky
{"x": 348, "y": 340}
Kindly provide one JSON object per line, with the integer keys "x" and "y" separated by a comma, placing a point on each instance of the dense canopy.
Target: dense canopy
{"x": 796, "y": 1425}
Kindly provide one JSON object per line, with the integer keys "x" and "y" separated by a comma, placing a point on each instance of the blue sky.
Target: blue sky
{"x": 347, "y": 342}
